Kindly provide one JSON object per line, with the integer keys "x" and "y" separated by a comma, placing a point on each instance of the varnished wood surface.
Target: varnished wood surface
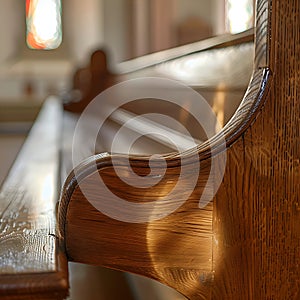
{"x": 149, "y": 60}
{"x": 223, "y": 93}
{"x": 143, "y": 253}
{"x": 258, "y": 242}
{"x": 262, "y": 50}
{"x": 218, "y": 55}
{"x": 224, "y": 69}
{"x": 31, "y": 264}
{"x": 246, "y": 243}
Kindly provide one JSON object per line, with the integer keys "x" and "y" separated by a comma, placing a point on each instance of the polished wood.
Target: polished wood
{"x": 156, "y": 249}
{"x": 257, "y": 223}
{"x": 246, "y": 243}
{"x": 243, "y": 245}
{"x": 149, "y": 60}
{"x": 32, "y": 265}
{"x": 33, "y": 276}
{"x": 90, "y": 81}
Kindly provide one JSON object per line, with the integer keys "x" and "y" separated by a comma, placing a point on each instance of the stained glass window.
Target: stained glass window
{"x": 239, "y": 15}
{"x": 43, "y": 23}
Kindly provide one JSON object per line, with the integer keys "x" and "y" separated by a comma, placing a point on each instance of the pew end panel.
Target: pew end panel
{"x": 176, "y": 250}
{"x": 29, "y": 241}
{"x": 237, "y": 247}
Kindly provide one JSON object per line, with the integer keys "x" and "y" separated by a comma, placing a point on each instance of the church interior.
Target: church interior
{"x": 218, "y": 48}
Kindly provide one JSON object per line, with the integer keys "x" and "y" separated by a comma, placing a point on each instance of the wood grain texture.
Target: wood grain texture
{"x": 29, "y": 254}
{"x": 257, "y": 222}
{"x": 262, "y": 34}
{"x": 246, "y": 243}
{"x": 156, "y": 249}
{"x": 175, "y": 250}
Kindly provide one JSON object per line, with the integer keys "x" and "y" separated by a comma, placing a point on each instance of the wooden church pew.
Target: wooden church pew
{"x": 234, "y": 233}
{"x": 55, "y": 149}
{"x": 242, "y": 245}
{"x": 89, "y": 81}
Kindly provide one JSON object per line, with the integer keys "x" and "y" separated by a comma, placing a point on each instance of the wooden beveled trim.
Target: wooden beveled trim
{"x": 262, "y": 33}
{"x": 47, "y": 285}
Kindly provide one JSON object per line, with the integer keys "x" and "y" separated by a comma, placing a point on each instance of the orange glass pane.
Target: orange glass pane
{"x": 43, "y": 22}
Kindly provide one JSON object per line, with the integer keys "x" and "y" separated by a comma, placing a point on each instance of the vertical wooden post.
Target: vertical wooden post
{"x": 257, "y": 209}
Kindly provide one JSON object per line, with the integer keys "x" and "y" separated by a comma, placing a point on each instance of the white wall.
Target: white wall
{"x": 10, "y": 31}
{"x": 198, "y": 8}
{"x": 83, "y": 27}
{"x": 218, "y": 16}
{"x": 140, "y": 39}
{"x": 211, "y": 11}
{"x": 116, "y": 29}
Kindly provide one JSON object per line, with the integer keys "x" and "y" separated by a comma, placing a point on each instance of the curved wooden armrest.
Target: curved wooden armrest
{"x": 175, "y": 250}
{"x": 245, "y": 243}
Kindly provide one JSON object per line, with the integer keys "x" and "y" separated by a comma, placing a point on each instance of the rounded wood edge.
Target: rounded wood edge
{"x": 260, "y": 188}
{"x": 50, "y": 285}
{"x": 215, "y": 42}
{"x": 91, "y": 237}
{"x": 241, "y": 121}
{"x": 245, "y": 115}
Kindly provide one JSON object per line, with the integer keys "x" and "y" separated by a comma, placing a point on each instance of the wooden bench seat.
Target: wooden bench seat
{"x": 243, "y": 244}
